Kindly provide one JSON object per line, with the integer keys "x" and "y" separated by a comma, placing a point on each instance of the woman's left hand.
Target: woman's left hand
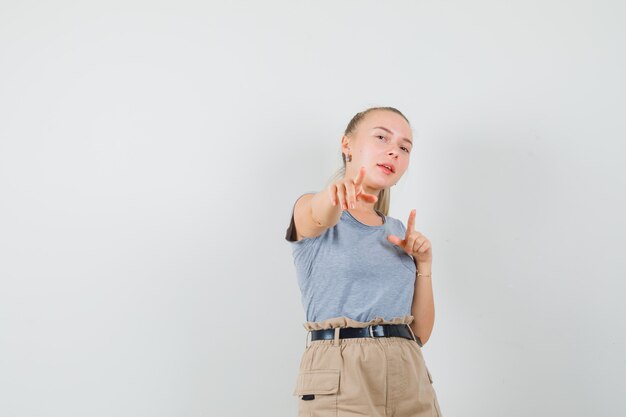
{"x": 414, "y": 243}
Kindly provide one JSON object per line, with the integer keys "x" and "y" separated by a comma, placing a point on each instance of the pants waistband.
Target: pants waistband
{"x": 379, "y": 330}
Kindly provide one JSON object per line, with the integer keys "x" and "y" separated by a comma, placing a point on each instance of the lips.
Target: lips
{"x": 390, "y": 165}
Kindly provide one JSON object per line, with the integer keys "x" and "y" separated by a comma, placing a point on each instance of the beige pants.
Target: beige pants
{"x": 375, "y": 377}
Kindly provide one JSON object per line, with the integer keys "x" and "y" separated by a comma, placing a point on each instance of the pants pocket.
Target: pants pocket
{"x": 430, "y": 377}
{"x": 317, "y": 392}
{"x": 435, "y": 400}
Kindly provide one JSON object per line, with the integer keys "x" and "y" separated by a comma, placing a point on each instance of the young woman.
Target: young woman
{"x": 365, "y": 281}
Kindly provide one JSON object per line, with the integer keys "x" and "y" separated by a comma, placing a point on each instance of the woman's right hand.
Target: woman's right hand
{"x": 347, "y": 191}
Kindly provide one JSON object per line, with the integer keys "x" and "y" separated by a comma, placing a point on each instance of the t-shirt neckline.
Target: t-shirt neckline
{"x": 379, "y": 226}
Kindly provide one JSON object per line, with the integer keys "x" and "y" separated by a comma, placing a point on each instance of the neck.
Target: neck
{"x": 364, "y": 206}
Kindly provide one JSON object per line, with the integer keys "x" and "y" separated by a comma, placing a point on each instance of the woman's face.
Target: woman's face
{"x": 382, "y": 138}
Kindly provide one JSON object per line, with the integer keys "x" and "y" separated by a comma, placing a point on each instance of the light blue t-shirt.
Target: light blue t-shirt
{"x": 352, "y": 270}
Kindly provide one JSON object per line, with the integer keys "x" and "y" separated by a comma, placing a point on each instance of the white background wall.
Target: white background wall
{"x": 151, "y": 152}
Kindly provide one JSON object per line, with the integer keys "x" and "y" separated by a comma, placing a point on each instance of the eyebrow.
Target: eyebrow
{"x": 389, "y": 131}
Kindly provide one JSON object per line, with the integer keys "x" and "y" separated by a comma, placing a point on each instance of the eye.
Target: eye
{"x": 380, "y": 136}
{"x": 407, "y": 151}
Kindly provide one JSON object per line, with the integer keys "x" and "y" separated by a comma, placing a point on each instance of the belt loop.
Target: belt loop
{"x": 306, "y": 343}
{"x": 413, "y": 334}
{"x": 336, "y": 341}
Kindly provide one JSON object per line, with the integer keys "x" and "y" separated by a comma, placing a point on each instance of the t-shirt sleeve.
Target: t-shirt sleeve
{"x": 401, "y": 229}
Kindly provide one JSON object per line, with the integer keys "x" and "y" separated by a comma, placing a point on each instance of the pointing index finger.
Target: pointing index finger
{"x": 359, "y": 178}
{"x": 410, "y": 226}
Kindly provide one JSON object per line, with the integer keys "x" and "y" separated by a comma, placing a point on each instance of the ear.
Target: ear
{"x": 345, "y": 143}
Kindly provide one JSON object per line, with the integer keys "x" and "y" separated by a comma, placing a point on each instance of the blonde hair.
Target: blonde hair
{"x": 384, "y": 196}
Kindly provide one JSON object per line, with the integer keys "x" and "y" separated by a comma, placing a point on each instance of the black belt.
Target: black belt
{"x": 378, "y": 330}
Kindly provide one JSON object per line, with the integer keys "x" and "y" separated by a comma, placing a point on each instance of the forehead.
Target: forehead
{"x": 391, "y": 120}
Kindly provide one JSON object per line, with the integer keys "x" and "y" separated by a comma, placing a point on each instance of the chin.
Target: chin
{"x": 382, "y": 184}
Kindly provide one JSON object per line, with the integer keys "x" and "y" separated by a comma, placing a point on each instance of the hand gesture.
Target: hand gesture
{"x": 346, "y": 191}
{"x": 414, "y": 243}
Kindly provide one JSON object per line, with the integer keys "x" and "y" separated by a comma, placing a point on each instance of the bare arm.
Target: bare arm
{"x": 423, "y": 306}
{"x": 314, "y": 213}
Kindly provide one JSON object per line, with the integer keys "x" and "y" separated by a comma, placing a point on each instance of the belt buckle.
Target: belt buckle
{"x": 371, "y": 330}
